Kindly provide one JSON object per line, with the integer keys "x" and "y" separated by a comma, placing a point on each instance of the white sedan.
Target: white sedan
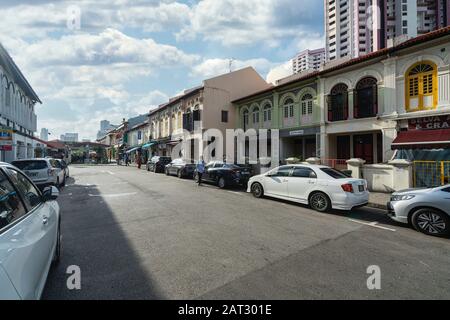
{"x": 320, "y": 187}
{"x": 30, "y": 238}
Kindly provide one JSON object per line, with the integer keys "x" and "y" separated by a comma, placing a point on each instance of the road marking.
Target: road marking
{"x": 113, "y": 195}
{"x": 238, "y": 193}
{"x": 372, "y": 224}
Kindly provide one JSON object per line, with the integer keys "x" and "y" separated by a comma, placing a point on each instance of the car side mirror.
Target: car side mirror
{"x": 50, "y": 193}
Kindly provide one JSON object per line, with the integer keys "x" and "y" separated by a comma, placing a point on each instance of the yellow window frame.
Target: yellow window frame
{"x": 421, "y": 77}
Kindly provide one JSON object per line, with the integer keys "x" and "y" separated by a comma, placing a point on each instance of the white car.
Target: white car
{"x": 30, "y": 237}
{"x": 322, "y": 188}
{"x": 43, "y": 171}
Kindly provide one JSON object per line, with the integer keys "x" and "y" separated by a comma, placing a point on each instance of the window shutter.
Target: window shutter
{"x": 345, "y": 102}
{"x": 355, "y": 104}
{"x": 375, "y": 99}
{"x": 330, "y": 107}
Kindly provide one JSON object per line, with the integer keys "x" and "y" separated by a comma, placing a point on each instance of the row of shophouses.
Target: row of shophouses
{"x": 390, "y": 104}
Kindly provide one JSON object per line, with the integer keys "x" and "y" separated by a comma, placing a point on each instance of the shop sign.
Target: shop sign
{"x": 297, "y": 133}
{"x": 6, "y": 136}
{"x": 429, "y": 123}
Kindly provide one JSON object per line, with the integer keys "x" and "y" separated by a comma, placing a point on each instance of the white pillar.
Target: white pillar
{"x": 402, "y": 174}
{"x": 355, "y": 166}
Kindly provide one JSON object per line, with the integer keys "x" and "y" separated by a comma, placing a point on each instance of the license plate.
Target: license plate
{"x": 31, "y": 174}
{"x": 361, "y": 188}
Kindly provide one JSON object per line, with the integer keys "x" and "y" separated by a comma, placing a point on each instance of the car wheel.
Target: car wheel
{"x": 57, "y": 255}
{"x": 431, "y": 222}
{"x": 180, "y": 174}
{"x": 221, "y": 183}
{"x": 257, "y": 190}
{"x": 319, "y": 201}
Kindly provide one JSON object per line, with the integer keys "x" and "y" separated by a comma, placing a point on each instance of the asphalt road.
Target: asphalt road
{"x": 139, "y": 235}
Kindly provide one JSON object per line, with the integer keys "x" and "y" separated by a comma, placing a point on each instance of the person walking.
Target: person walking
{"x": 200, "y": 170}
{"x": 139, "y": 160}
{"x": 126, "y": 159}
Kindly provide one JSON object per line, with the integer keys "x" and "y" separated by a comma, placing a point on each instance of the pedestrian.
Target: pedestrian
{"x": 139, "y": 160}
{"x": 200, "y": 170}
{"x": 126, "y": 159}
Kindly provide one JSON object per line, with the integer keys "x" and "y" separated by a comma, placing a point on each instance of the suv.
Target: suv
{"x": 158, "y": 164}
{"x": 30, "y": 237}
{"x": 43, "y": 171}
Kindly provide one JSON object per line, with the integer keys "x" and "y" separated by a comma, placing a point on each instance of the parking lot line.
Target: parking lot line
{"x": 372, "y": 224}
{"x": 113, "y": 195}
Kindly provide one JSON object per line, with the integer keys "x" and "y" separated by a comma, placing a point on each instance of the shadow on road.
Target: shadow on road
{"x": 93, "y": 239}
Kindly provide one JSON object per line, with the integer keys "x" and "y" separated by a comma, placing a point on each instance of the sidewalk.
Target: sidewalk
{"x": 379, "y": 200}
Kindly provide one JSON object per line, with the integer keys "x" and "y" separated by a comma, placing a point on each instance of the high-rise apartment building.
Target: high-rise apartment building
{"x": 69, "y": 137}
{"x": 44, "y": 134}
{"x": 357, "y": 27}
{"x": 308, "y": 60}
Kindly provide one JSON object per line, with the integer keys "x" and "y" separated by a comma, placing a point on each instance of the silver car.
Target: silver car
{"x": 427, "y": 210}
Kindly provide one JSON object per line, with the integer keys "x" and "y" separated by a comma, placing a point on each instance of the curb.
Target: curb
{"x": 377, "y": 206}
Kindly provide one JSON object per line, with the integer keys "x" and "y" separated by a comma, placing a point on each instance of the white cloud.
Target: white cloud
{"x": 237, "y": 22}
{"x": 281, "y": 71}
{"x": 214, "y": 67}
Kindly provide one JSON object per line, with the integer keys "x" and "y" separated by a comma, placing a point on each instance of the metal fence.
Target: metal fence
{"x": 431, "y": 173}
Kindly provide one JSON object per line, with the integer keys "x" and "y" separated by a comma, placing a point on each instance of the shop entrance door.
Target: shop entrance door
{"x": 343, "y": 147}
{"x": 363, "y": 147}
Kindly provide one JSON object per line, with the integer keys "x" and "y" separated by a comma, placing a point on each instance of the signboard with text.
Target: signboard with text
{"x": 429, "y": 123}
{"x": 6, "y": 137}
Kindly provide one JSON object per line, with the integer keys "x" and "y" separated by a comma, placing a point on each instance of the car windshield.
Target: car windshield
{"x": 30, "y": 165}
{"x": 336, "y": 174}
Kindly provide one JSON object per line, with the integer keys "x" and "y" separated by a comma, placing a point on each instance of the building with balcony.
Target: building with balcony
{"x": 18, "y": 120}
{"x": 308, "y": 60}
{"x": 198, "y": 109}
{"x": 293, "y": 109}
{"x": 385, "y": 103}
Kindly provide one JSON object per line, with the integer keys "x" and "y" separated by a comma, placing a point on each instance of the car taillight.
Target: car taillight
{"x": 347, "y": 187}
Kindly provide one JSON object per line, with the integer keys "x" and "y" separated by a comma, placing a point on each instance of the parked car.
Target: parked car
{"x": 65, "y": 167}
{"x": 321, "y": 187}
{"x": 180, "y": 168}
{"x": 224, "y": 174}
{"x": 30, "y": 236}
{"x": 43, "y": 171}
{"x": 158, "y": 164}
{"x": 426, "y": 209}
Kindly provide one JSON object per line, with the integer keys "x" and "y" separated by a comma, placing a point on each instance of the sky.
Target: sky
{"x": 121, "y": 58}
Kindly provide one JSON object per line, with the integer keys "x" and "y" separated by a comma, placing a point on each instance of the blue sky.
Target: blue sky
{"x": 128, "y": 56}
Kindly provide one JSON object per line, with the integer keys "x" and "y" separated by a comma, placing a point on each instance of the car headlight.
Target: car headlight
{"x": 402, "y": 197}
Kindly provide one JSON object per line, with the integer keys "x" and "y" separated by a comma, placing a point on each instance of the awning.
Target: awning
{"x": 149, "y": 145}
{"x": 134, "y": 149}
{"x": 423, "y": 139}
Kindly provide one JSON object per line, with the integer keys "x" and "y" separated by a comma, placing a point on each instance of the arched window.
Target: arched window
{"x": 267, "y": 113}
{"x": 421, "y": 87}
{"x": 288, "y": 108}
{"x": 245, "y": 117}
{"x": 255, "y": 115}
{"x": 307, "y": 104}
{"x": 365, "y": 99}
{"x": 338, "y": 103}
